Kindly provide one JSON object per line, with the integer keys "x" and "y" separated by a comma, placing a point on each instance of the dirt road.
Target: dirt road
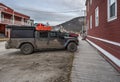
{"x": 44, "y": 66}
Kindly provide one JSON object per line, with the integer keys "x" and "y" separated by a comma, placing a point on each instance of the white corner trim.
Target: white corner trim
{"x": 107, "y": 41}
{"x": 106, "y": 53}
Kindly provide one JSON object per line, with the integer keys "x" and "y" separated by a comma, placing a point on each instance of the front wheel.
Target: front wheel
{"x": 26, "y": 49}
{"x": 72, "y": 47}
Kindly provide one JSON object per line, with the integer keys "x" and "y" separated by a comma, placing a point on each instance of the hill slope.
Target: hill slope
{"x": 73, "y": 25}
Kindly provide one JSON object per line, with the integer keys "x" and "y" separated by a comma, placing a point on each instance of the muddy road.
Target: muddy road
{"x": 43, "y": 66}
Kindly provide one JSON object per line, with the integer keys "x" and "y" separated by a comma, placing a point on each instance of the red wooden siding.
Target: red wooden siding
{"x": 105, "y": 30}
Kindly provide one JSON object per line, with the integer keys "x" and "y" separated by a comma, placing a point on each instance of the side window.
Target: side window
{"x": 43, "y": 34}
{"x": 53, "y": 34}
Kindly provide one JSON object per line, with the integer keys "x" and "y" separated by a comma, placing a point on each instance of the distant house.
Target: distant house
{"x": 103, "y": 22}
{"x": 10, "y": 17}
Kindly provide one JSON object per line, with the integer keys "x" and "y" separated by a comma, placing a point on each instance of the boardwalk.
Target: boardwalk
{"x": 89, "y": 66}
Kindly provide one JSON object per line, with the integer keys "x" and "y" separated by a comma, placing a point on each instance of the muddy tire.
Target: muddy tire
{"x": 26, "y": 49}
{"x": 72, "y": 47}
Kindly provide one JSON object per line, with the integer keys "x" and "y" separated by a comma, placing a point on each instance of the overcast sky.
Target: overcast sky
{"x": 52, "y": 11}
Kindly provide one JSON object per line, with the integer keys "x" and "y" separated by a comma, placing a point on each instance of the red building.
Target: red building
{"x": 103, "y": 32}
{"x": 10, "y": 17}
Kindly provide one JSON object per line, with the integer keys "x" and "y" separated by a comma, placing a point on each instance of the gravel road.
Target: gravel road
{"x": 43, "y": 66}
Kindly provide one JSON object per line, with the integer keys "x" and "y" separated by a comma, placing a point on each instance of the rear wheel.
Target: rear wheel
{"x": 72, "y": 47}
{"x": 26, "y": 49}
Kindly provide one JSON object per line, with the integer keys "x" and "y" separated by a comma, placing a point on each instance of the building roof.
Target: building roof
{"x": 20, "y": 14}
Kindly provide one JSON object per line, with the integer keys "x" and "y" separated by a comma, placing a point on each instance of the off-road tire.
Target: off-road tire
{"x": 26, "y": 49}
{"x": 72, "y": 47}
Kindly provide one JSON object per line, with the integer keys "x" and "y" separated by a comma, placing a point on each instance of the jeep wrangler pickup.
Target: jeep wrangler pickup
{"x": 27, "y": 39}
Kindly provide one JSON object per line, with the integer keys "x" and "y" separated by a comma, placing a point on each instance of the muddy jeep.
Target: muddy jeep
{"x": 29, "y": 40}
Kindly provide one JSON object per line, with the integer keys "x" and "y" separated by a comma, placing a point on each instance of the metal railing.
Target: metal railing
{"x": 10, "y": 22}
{"x": 6, "y": 21}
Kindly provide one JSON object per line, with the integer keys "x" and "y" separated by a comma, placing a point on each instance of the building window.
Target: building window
{"x": 53, "y": 34}
{"x": 97, "y": 16}
{"x": 112, "y": 10}
{"x": 90, "y": 2}
{"x": 91, "y": 22}
{"x": 43, "y": 34}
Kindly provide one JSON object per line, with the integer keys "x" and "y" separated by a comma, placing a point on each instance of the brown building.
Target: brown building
{"x": 103, "y": 22}
{"x": 10, "y": 17}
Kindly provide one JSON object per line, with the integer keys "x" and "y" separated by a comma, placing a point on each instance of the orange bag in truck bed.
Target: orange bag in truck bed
{"x": 41, "y": 27}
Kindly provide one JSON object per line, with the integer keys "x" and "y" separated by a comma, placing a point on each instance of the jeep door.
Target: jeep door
{"x": 55, "y": 41}
{"x": 41, "y": 40}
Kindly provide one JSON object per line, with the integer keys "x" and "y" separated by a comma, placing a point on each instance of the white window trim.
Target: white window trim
{"x": 97, "y": 13}
{"x": 91, "y": 22}
{"x": 108, "y": 11}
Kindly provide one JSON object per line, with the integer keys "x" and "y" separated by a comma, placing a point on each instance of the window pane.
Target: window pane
{"x": 43, "y": 34}
{"x": 91, "y": 22}
{"x": 96, "y": 17}
{"x": 111, "y": 2}
{"x": 112, "y": 10}
{"x": 53, "y": 34}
